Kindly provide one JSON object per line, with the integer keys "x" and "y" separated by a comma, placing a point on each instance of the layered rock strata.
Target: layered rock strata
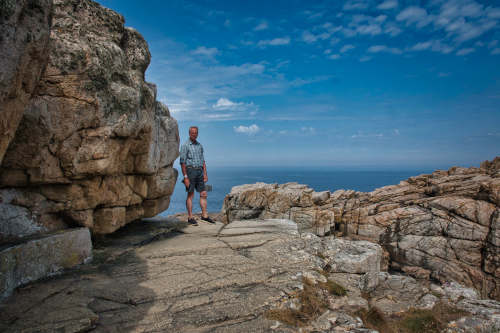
{"x": 443, "y": 226}
{"x": 94, "y": 148}
{"x": 24, "y": 42}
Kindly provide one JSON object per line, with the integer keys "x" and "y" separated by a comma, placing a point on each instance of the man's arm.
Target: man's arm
{"x": 205, "y": 176}
{"x": 184, "y": 173}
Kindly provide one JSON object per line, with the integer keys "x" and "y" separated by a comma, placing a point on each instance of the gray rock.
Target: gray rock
{"x": 42, "y": 257}
{"x": 352, "y": 256}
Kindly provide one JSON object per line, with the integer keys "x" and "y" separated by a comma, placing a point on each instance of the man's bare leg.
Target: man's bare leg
{"x": 203, "y": 203}
{"x": 189, "y": 204}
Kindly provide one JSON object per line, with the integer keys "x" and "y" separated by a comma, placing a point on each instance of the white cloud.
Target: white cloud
{"x": 466, "y": 51}
{"x": 355, "y": 5}
{"x": 261, "y": 26}
{"x": 392, "y": 29}
{"x": 495, "y": 51}
{"x": 432, "y": 45}
{"x": 309, "y": 37}
{"x": 249, "y": 130}
{"x": 492, "y": 44}
{"x": 274, "y": 42}
{"x": 227, "y": 23}
{"x": 416, "y": 15}
{"x": 334, "y": 56}
{"x": 204, "y": 51}
{"x": 365, "y": 59}
{"x": 346, "y": 48}
{"x": 444, "y": 74}
{"x": 383, "y": 48}
{"x": 308, "y": 130}
{"x": 388, "y": 4}
{"x": 224, "y": 104}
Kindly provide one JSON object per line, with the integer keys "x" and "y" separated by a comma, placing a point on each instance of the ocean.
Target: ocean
{"x": 223, "y": 179}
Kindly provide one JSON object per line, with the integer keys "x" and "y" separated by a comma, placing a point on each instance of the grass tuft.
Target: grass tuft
{"x": 334, "y": 288}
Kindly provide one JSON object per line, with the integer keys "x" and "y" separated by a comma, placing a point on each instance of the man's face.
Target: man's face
{"x": 193, "y": 134}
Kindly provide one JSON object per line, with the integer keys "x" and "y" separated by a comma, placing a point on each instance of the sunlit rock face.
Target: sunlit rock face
{"x": 94, "y": 148}
{"x": 443, "y": 226}
{"x": 24, "y": 42}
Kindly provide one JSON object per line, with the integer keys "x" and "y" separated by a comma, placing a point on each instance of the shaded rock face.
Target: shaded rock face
{"x": 24, "y": 40}
{"x": 94, "y": 148}
{"x": 444, "y": 226}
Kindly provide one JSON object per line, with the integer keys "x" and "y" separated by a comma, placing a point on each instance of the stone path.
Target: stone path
{"x": 163, "y": 275}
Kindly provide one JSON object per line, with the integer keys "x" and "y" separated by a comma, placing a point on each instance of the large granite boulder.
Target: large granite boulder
{"x": 443, "y": 226}
{"x": 94, "y": 148}
{"x": 24, "y": 31}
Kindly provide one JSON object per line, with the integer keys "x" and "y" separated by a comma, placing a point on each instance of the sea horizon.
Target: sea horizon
{"x": 319, "y": 178}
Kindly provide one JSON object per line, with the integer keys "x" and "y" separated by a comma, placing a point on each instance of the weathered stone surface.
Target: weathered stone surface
{"x": 443, "y": 226}
{"x": 163, "y": 275}
{"x": 41, "y": 257}
{"x": 94, "y": 146}
{"x": 24, "y": 27}
{"x": 291, "y": 201}
{"x": 356, "y": 257}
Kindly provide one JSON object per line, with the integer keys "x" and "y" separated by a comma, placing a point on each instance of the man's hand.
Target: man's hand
{"x": 186, "y": 182}
{"x": 205, "y": 178}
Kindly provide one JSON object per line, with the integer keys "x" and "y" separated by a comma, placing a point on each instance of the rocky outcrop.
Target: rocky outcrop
{"x": 94, "y": 148}
{"x": 24, "y": 31}
{"x": 443, "y": 226}
{"x": 246, "y": 276}
{"x": 292, "y": 201}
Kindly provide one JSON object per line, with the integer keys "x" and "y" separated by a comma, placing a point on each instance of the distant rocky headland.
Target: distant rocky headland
{"x": 87, "y": 150}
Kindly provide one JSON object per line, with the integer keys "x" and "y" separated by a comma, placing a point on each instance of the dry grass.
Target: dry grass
{"x": 333, "y": 288}
{"x": 313, "y": 303}
{"x": 413, "y": 320}
{"x": 313, "y": 299}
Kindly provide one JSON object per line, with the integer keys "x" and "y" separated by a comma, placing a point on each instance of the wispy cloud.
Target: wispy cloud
{"x": 274, "y": 42}
{"x": 249, "y": 130}
{"x": 261, "y": 26}
{"x": 346, "y": 48}
{"x": 466, "y": 51}
{"x": 309, "y": 37}
{"x": 384, "y": 48}
{"x": 388, "y": 4}
{"x": 204, "y": 51}
{"x": 356, "y": 5}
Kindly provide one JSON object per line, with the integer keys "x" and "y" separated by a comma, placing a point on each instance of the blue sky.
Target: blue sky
{"x": 353, "y": 84}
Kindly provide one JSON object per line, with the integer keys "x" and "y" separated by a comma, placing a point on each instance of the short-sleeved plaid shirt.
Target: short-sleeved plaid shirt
{"x": 192, "y": 154}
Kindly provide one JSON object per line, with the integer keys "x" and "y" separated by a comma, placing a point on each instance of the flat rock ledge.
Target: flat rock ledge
{"x": 161, "y": 275}
{"x": 41, "y": 257}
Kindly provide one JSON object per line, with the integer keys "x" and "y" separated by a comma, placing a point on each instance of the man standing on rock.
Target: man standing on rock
{"x": 194, "y": 170}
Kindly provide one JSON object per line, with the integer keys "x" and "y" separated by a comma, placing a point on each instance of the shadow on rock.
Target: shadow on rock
{"x": 107, "y": 295}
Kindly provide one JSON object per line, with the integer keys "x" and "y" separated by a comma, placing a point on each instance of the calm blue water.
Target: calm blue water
{"x": 320, "y": 179}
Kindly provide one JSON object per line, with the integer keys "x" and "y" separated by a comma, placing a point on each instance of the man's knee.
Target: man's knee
{"x": 190, "y": 195}
{"x": 203, "y": 194}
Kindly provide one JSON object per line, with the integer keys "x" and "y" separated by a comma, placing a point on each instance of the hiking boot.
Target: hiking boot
{"x": 192, "y": 221}
{"x": 207, "y": 219}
